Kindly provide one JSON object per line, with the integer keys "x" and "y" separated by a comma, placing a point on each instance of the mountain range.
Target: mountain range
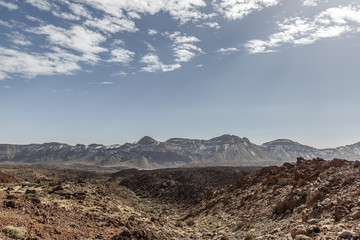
{"x": 147, "y": 153}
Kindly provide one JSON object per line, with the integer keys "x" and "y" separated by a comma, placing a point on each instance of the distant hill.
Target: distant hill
{"x": 147, "y": 153}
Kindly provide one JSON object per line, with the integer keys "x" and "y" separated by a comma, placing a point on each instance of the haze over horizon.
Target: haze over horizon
{"x": 110, "y": 72}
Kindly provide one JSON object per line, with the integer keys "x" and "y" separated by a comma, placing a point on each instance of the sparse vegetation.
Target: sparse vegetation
{"x": 249, "y": 236}
{"x": 179, "y": 224}
{"x": 190, "y": 223}
{"x": 240, "y": 225}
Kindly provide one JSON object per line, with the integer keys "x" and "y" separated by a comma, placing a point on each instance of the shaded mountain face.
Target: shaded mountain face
{"x": 147, "y": 153}
{"x": 287, "y": 151}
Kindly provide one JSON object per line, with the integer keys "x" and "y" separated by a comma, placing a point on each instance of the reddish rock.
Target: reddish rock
{"x": 315, "y": 196}
{"x": 288, "y": 165}
{"x": 336, "y": 162}
{"x": 313, "y": 230}
{"x": 340, "y": 212}
{"x": 297, "y": 175}
{"x": 355, "y": 215}
{"x": 298, "y": 231}
{"x": 6, "y": 178}
{"x": 284, "y": 181}
{"x": 287, "y": 205}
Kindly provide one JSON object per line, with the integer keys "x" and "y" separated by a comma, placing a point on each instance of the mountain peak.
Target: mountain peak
{"x": 280, "y": 141}
{"x": 147, "y": 141}
{"x": 226, "y": 138}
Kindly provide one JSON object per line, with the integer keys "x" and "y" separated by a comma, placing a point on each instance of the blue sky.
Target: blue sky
{"x": 107, "y": 71}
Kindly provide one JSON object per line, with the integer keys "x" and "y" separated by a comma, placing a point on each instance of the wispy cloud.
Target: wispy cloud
{"x": 19, "y": 39}
{"x": 107, "y": 83}
{"x": 310, "y": 3}
{"x": 183, "y": 11}
{"x": 238, "y": 9}
{"x": 331, "y": 23}
{"x": 184, "y": 46}
{"x": 121, "y": 55}
{"x": 31, "y": 64}
{"x": 152, "y": 32}
{"x": 10, "y": 6}
{"x": 227, "y": 51}
{"x": 5, "y": 24}
{"x": 79, "y": 10}
{"x": 214, "y": 25}
{"x": 150, "y": 47}
{"x": 112, "y": 24}
{"x": 65, "y": 15}
{"x": 153, "y": 64}
{"x": 76, "y": 38}
{"x": 119, "y": 74}
{"x": 40, "y": 4}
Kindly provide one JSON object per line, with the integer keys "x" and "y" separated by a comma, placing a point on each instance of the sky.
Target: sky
{"x": 113, "y": 71}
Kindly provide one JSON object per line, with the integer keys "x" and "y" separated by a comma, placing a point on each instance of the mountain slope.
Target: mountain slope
{"x": 287, "y": 151}
{"x": 147, "y": 153}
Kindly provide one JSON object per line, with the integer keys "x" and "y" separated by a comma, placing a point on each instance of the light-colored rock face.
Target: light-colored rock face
{"x": 147, "y": 153}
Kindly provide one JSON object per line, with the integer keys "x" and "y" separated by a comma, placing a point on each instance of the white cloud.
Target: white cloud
{"x": 199, "y": 65}
{"x": 107, "y": 83}
{"x": 7, "y": 86}
{"x": 118, "y": 42}
{"x": 64, "y": 15}
{"x": 333, "y": 22}
{"x": 133, "y": 15}
{"x": 153, "y": 64}
{"x": 121, "y": 55}
{"x": 32, "y": 64}
{"x": 77, "y": 38}
{"x": 5, "y": 24}
{"x": 150, "y": 47}
{"x": 310, "y": 3}
{"x": 19, "y": 39}
{"x": 119, "y": 74}
{"x": 184, "y": 47}
{"x": 152, "y": 32}
{"x": 227, "y": 51}
{"x": 178, "y": 38}
{"x": 34, "y": 19}
{"x": 183, "y": 11}
{"x": 10, "y": 6}
{"x": 79, "y": 10}
{"x": 238, "y": 9}
{"x": 214, "y": 25}
{"x": 112, "y": 24}
{"x": 40, "y": 4}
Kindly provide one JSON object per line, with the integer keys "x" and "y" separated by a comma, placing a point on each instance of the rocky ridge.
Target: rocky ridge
{"x": 147, "y": 153}
{"x": 309, "y": 199}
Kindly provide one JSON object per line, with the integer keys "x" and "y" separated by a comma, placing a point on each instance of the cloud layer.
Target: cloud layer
{"x": 61, "y": 37}
{"x": 331, "y": 23}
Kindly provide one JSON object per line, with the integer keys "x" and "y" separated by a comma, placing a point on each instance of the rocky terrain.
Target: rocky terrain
{"x": 147, "y": 153}
{"x": 308, "y": 199}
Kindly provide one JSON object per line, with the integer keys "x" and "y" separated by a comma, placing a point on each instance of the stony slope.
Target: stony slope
{"x": 309, "y": 199}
